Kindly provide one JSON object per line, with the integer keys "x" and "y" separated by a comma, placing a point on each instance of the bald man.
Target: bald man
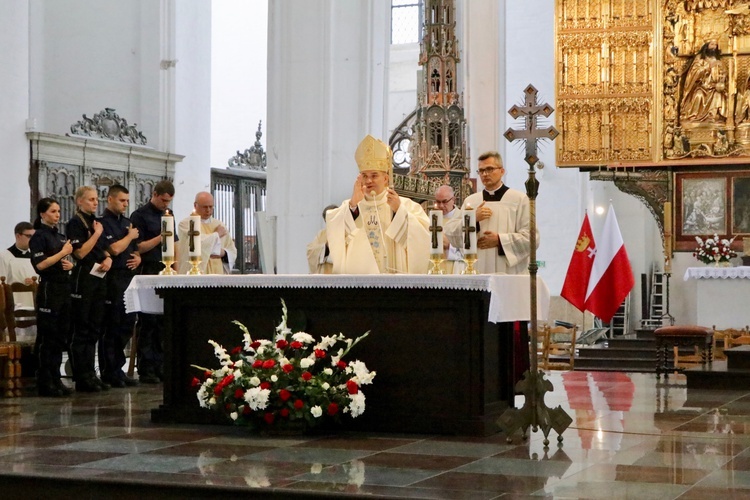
{"x": 218, "y": 251}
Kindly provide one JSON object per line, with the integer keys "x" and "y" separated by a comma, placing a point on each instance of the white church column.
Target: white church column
{"x": 14, "y": 89}
{"x": 327, "y": 65}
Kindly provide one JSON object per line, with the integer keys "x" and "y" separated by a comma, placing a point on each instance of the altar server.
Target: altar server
{"x": 15, "y": 262}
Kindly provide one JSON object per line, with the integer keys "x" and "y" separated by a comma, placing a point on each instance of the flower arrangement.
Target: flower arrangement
{"x": 267, "y": 384}
{"x": 714, "y": 250}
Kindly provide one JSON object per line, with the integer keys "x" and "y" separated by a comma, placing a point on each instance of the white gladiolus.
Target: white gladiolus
{"x": 357, "y": 405}
{"x": 307, "y": 362}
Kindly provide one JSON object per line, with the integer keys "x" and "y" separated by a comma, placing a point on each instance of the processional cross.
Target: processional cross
{"x": 192, "y": 233}
{"x": 534, "y": 412}
{"x": 434, "y": 228}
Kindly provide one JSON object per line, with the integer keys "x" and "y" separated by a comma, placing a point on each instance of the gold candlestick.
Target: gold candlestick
{"x": 436, "y": 259}
{"x": 470, "y": 259}
{"x": 195, "y": 262}
{"x": 167, "y": 271}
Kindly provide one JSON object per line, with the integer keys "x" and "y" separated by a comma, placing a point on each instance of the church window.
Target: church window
{"x": 406, "y": 21}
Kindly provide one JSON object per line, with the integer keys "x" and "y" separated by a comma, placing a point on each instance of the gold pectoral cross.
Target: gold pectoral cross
{"x": 164, "y": 235}
{"x": 434, "y": 228}
{"x": 192, "y": 233}
{"x": 468, "y": 229}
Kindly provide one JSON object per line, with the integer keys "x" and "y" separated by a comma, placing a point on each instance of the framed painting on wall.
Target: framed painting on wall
{"x": 703, "y": 205}
{"x": 741, "y": 205}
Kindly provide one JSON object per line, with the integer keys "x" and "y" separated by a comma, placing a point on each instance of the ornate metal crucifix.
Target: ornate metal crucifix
{"x": 534, "y": 413}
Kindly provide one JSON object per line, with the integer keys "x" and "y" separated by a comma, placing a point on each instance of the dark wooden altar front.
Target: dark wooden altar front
{"x": 441, "y": 366}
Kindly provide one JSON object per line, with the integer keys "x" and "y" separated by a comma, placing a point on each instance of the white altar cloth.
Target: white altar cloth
{"x": 721, "y": 295}
{"x": 509, "y": 294}
{"x": 712, "y": 272}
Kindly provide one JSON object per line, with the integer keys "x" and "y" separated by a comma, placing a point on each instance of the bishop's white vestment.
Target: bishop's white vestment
{"x": 379, "y": 241}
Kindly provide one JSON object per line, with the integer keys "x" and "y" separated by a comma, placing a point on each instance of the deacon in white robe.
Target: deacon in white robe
{"x": 502, "y": 214}
{"x": 218, "y": 251}
{"x": 377, "y": 231}
{"x": 445, "y": 200}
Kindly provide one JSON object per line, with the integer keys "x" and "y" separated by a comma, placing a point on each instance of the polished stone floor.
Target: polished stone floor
{"x": 632, "y": 437}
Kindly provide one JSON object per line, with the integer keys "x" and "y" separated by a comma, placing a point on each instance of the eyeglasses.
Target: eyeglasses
{"x": 27, "y": 235}
{"x": 487, "y": 170}
{"x": 443, "y": 202}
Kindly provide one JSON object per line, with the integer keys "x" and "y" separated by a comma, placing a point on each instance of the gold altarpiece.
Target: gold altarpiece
{"x": 647, "y": 90}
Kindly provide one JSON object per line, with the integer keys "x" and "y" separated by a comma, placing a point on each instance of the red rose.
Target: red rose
{"x": 195, "y": 382}
{"x": 284, "y": 412}
{"x": 288, "y": 368}
{"x": 268, "y": 417}
{"x": 296, "y": 344}
{"x": 284, "y": 394}
{"x": 341, "y": 365}
{"x": 227, "y": 407}
{"x": 352, "y": 387}
{"x": 255, "y": 345}
{"x": 333, "y": 409}
{"x": 237, "y": 350}
{"x": 269, "y": 363}
{"x": 306, "y": 376}
{"x": 258, "y": 363}
{"x": 239, "y": 393}
{"x": 320, "y": 353}
{"x": 265, "y": 385}
{"x": 298, "y": 404}
{"x": 218, "y": 389}
{"x": 207, "y": 374}
{"x": 246, "y": 410}
{"x": 281, "y": 343}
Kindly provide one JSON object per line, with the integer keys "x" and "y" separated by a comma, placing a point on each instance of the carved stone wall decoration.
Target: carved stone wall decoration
{"x": 107, "y": 124}
{"x": 253, "y": 158}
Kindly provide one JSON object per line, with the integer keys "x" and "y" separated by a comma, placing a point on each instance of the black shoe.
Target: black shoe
{"x": 148, "y": 378}
{"x": 88, "y": 384}
{"x": 49, "y": 390}
{"x": 114, "y": 382}
{"x": 128, "y": 381}
{"x": 104, "y": 385}
{"x": 66, "y": 391}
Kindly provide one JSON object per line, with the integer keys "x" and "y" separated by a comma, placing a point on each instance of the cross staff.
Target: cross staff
{"x": 434, "y": 228}
{"x": 468, "y": 229}
{"x": 164, "y": 235}
{"x": 530, "y": 133}
{"x": 192, "y": 233}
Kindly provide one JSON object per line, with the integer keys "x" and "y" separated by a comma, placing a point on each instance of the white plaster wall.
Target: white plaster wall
{"x": 239, "y": 49}
{"x": 402, "y": 83}
{"x": 192, "y": 98}
{"x": 14, "y": 89}
{"x": 326, "y": 90}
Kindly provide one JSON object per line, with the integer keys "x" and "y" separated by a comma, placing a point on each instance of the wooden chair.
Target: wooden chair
{"x": 742, "y": 338}
{"x": 560, "y": 352}
{"x": 20, "y": 317}
{"x": 541, "y": 347}
{"x": 10, "y": 355}
{"x": 723, "y": 340}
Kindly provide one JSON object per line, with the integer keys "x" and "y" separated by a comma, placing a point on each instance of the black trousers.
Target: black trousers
{"x": 87, "y": 300}
{"x": 118, "y": 325}
{"x": 150, "y": 328}
{"x": 53, "y": 320}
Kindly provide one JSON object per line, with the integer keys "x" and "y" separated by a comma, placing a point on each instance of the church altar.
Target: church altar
{"x": 721, "y": 295}
{"x": 441, "y": 345}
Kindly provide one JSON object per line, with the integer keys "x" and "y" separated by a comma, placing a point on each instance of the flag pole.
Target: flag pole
{"x": 534, "y": 413}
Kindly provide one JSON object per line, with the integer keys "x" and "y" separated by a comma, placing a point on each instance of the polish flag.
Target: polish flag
{"x": 611, "y": 276}
{"x": 577, "y": 279}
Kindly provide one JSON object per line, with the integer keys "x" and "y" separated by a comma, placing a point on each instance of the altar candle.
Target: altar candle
{"x": 668, "y": 229}
{"x": 194, "y": 233}
{"x": 436, "y": 229}
{"x": 470, "y": 230}
{"x": 167, "y": 235}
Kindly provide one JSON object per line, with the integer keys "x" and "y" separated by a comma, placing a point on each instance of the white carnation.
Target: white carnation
{"x": 303, "y": 337}
{"x": 274, "y": 378}
{"x": 307, "y": 362}
{"x": 325, "y": 386}
{"x": 257, "y": 398}
{"x": 357, "y": 405}
{"x": 255, "y": 381}
{"x": 364, "y": 376}
{"x": 328, "y": 371}
{"x": 316, "y": 411}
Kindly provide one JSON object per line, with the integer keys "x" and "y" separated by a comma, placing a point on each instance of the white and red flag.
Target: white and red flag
{"x": 577, "y": 279}
{"x": 611, "y": 276}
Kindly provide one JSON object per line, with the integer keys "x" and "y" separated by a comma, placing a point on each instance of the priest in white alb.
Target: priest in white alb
{"x": 218, "y": 251}
{"x": 376, "y": 230}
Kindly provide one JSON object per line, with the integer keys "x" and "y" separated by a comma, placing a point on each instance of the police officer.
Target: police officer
{"x": 120, "y": 238}
{"x": 49, "y": 250}
{"x": 147, "y": 219}
{"x": 88, "y": 289}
